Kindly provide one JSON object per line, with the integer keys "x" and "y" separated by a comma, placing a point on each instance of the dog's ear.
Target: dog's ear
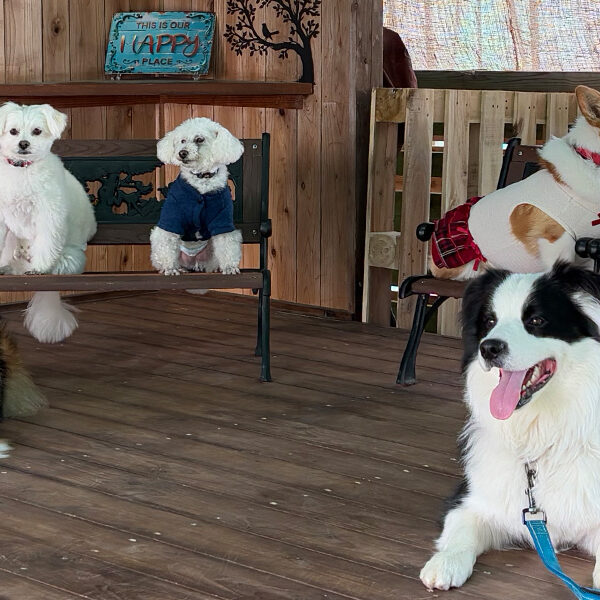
{"x": 588, "y": 100}
{"x": 5, "y": 110}
{"x": 55, "y": 120}
{"x": 165, "y": 148}
{"x": 575, "y": 278}
{"x": 226, "y": 147}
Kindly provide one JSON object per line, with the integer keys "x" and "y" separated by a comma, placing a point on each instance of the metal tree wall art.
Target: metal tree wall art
{"x": 245, "y": 34}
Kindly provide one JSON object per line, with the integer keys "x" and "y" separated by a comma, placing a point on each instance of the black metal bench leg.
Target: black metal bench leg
{"x": 407, "y": 373}
{"x": 261, "y": 300}
{"x": 265, "y": 326}
{"x": 265, "y": 350}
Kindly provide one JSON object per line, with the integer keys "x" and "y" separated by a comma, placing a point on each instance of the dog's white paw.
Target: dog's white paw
{"x": 4, "y": 449}
{"x": 447, "y": 569}
{"x": 230, "y": 270}
{"x": 171, "y": 271}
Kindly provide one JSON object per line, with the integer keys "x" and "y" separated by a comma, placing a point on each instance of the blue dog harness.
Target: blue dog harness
{"x": 535, "y": 521}
{"x": 195, "y": 216}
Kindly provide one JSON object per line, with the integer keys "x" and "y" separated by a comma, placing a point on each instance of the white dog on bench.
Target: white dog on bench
{"x": 196, "y": 231}
{"x": 46, "y": 218}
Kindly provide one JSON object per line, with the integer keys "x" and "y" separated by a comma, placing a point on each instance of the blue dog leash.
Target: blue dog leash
{"x": 535, "y": 521}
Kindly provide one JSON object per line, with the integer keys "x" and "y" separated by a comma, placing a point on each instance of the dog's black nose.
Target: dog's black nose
{"x": 183, "y": 154}
{"x": 493, "y": 349}
{"x": 24, "y": 144}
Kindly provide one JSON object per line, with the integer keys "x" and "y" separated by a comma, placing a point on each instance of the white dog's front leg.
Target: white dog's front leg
{"x": 227, "y": 251}
{"x": 465, "y": 536}
{"x": 164, "y": 251}
{"x": 44, "y": 251}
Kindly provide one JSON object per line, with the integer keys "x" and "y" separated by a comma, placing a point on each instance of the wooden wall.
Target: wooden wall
{"x": 318, "y": 168}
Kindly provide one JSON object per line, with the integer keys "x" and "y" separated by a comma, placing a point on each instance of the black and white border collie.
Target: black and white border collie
{"x": 532, "y": 366}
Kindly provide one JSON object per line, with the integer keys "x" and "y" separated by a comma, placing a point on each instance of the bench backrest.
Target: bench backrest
{"x": 121, "y": 178}
{"x": 519, "y": 162}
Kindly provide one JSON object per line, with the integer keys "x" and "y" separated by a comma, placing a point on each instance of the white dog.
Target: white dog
{"x": 46, "y": 218}
{"x": 196, "y": 230}
{"x": 529, "y": 225}
{"x": 532, "y": 365}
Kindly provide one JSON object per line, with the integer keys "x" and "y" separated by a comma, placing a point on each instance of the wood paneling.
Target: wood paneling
{"x": 314, "y": 199}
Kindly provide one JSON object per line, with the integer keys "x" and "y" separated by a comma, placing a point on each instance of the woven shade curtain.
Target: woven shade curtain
{"x": 498, "y": 35}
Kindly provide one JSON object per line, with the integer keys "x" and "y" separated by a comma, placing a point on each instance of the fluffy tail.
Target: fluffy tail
{"x": 48, "y": 318}
{"x": 19, "y": 396}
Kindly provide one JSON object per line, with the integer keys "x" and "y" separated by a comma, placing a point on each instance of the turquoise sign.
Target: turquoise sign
{"x": 160, "y": 43}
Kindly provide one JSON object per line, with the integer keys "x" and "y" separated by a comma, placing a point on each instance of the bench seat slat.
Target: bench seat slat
{"x": 131, "y": 281}
{"x": 441, "y": 287}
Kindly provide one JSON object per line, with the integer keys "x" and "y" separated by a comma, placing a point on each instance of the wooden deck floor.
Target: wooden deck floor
{"x": 165, "y": 471}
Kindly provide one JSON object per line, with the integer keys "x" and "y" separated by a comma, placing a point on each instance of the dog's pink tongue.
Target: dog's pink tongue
{"x": 506, "y": 394}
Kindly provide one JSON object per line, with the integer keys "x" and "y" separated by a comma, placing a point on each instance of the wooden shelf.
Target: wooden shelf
{"x": 69, "y": 94}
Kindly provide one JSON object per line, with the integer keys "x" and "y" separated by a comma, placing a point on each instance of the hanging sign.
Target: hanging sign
{"x": 160, "y": 43}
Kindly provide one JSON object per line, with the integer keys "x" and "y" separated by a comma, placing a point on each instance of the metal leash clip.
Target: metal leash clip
{"x": 532, "y": 513}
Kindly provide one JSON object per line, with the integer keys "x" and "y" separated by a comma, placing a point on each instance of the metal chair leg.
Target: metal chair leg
{"x": 258, "y": 349}
{"x": 406, "y": 373}
{"x": 265, "y": 323}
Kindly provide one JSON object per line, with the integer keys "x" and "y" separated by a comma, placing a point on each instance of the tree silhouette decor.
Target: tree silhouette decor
{"x": 246, "y": 35}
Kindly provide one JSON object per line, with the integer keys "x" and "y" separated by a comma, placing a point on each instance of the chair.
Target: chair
{"x": 519, "y": 162}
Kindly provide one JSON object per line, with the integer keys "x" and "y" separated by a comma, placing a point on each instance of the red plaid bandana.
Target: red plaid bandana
{"x": 451, "y": 243}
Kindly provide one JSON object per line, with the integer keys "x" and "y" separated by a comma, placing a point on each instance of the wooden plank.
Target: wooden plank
{"x": 169, "y": 89}
{"x": 524, "y": 118}
{"x": 524, "y": 81}
{"x": 415, "y": 198}
{"x": 383, "y": 151}
{"x": 2, "y": 38}
{"x": 55, "y": 37}
{"x": 557, "y": 119}
{"x": 491, "y": 138}
{"x": 23, "y": 40}
{"x": 308, "y": 189}
{"x": 87, "y": 50}
{"x": 454, "y": 182}
{"x": 338, "y": 159}
{"x": 390, "y": 105}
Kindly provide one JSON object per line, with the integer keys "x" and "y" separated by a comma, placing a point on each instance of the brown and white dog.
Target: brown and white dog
{"x": 529, "y": 225}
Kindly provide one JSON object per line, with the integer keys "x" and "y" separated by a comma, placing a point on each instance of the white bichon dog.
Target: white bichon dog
{"x": 46, "y": 218}
{"x": 196, "y": 231}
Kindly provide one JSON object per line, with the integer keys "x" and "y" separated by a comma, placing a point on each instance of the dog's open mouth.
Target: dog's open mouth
{"x": 516, "y": 388}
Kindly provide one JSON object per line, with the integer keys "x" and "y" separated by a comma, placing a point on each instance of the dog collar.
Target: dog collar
{"x": 18, "y": 163}
{"x": 588, "y": 154}
{"x": 207, "y": 175}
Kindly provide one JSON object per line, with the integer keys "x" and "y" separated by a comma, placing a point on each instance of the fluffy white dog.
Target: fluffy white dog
{"x": 532, "y": 365}
{"x": 46, "y": 218}
{"x": 196, "y": 230}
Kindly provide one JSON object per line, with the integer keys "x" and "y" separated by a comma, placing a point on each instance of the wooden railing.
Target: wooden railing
{"x": 470, "y": 127}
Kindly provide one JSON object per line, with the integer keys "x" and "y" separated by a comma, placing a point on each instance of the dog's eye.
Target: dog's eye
{"x": 183, "y": 141}
{"x": 14, "y": 131}
{"x": 36, "y": 131}
{"x": 536, "y": 321}
{"x": 199, "y": 140}
{"x": 490, "y": 321}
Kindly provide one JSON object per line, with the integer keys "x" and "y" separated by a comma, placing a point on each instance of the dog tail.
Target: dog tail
{"x": 48, "y": 318}
{"x": 19, "y": 396}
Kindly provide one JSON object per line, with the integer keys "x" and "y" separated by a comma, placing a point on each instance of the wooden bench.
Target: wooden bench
{"x": 120, "y": 177}
{"x": 519, "y": 162}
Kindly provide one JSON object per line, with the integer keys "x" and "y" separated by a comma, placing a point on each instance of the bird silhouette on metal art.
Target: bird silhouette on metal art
{"x": 268, "y": 34}
{"x": 298, "y": 18}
